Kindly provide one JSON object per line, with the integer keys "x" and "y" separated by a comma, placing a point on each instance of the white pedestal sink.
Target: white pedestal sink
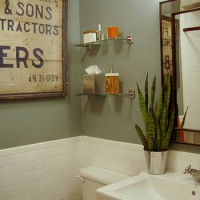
{"x": 169, "y": 186}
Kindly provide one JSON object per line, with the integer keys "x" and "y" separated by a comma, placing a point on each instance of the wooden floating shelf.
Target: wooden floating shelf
{"x": 130, "y": 94}
{"x": 128, "y": 39}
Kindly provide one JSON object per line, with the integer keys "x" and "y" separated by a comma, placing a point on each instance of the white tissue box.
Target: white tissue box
{"x": 89, "y": 36}
{"x": 94, "y": 83}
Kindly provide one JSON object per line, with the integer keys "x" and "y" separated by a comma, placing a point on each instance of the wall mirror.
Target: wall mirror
{"x": 181, "y": 58}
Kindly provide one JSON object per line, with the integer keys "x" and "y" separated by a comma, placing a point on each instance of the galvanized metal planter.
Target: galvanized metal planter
{"x": 156, "y": 161}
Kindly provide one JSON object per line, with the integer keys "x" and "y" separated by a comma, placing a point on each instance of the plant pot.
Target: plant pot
{"x": 156, "y": 161}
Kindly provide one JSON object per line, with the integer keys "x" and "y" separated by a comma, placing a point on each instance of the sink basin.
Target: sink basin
{"x": 169, "y": 186}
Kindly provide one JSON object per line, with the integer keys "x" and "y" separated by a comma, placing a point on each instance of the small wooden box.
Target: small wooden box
{"x": 112, "y": 83}
{"x": 93, "y": 83}
{"x": 88, "y": 84}
{"x": 89, "y": 36}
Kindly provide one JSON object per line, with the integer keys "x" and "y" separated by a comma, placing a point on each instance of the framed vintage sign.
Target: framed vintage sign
{"x": 166, "y": 47}
{"x": 33, "y": 48}
{"x": 167, "y": 64}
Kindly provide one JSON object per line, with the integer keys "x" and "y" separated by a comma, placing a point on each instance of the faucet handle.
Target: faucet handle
{"x": 187, "y": 170}
{"x": 194, "y": 173}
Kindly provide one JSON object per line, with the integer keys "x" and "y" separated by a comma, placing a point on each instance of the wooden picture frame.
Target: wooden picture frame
{"x": 33, "y": 49}
{"x": 166, "y": 38}
{"x": 166, "y": 47}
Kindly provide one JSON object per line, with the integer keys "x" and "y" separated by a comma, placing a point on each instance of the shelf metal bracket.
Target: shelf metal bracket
{"x": 129, "y": 39}
{"x": 131, "y": 94}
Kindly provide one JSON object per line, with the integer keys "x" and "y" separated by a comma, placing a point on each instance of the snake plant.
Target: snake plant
{"x": 158, "y": 120}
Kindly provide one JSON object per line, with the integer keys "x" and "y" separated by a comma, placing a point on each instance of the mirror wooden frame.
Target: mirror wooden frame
{"x": 177, "y": 129}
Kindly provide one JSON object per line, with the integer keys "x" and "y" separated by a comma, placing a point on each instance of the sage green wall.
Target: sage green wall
{"x": 26, "y": 122}
{"x": 114, "y": 117}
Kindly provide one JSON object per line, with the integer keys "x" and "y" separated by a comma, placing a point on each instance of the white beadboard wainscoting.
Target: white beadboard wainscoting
{"x": 121, "y": 157}
{"x": 48, "y": 171}
{"x": 44, "y": 171}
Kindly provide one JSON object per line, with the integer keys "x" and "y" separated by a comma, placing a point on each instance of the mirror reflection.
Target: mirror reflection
{"x": 185, "y": 65}
{"x": 188, "y": 92}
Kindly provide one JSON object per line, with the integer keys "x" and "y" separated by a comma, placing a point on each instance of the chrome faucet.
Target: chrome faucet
{"x": 194, "y": 173}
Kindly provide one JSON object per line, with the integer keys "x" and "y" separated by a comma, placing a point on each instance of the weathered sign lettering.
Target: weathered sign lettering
{"x": 21, "y": 59}
{"x": 31, "y": 47}
{"x": 166, "y": 48}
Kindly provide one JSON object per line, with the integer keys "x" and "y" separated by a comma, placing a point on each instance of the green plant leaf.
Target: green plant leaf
{"x": 166, "y": 139}
{"x": 158, "y": 124}
{"x": 163, "y": 120}
{"x": 184, "y": 117}
{"x": 159, "y": 107}
{"x": 168, "y": 97}
{"x": 153, "y": 88}
{"x": 146, "y": 93}
{"x": 142, "y": 137}
{"x": 151, "y": 144}
{"x": 142, "y": 106}
{"x": 159, "y": 138}
{"x": 151, "y": 129}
